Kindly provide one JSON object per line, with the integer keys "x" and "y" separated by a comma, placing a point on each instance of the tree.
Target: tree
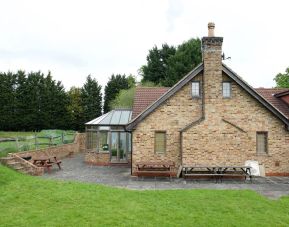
{"x": 115, "y": 84}
{"x": 157, "y": 64}
{"x": 7, "y": 101}
{"x": 91, "y": 99}
{"x": 32, "y": 101}
{"x": 282, "y": 80}
{"x": 186, "y": 58}
{"x": 124, "y": 99}
{"x": 75, "y": 109}
{"x": 166, "y": 66}
{"x": 21, "y": 104}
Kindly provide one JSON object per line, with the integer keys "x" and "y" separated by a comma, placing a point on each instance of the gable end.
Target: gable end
{"x": 131, "y": 125}
{"x": 253, "y": 93}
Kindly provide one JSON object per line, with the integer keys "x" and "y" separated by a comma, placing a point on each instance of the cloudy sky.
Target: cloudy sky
{"x": 79, "y": 37}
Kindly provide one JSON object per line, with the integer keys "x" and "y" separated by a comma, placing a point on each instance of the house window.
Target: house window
{"x": 262, "y": 142}
{"x": 160, "y": 142}
{"x": 196, "y": 89}
{"x": 227, "y": 89}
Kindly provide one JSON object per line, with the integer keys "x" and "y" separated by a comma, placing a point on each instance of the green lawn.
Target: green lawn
{"x": 32, "y": 201}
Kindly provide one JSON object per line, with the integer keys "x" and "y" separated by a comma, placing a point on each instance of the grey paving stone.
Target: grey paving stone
{"x": 74, "y": 169}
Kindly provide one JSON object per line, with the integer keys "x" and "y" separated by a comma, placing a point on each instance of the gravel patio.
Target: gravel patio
{"x": 74, "y": 169}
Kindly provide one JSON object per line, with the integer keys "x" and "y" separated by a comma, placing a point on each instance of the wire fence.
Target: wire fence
{"x": 37, "y": 140}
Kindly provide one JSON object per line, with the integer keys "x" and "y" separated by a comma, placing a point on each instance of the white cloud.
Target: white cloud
{"x": 81, "y": 37}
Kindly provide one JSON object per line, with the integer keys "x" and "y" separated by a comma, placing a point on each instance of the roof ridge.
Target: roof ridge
{"x": 152, "y": 87}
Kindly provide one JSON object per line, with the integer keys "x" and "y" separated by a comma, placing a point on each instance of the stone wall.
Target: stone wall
{"x": 102, "y": 158}
{"x": 60, "y": 151}
{"x": 97, "y": 158}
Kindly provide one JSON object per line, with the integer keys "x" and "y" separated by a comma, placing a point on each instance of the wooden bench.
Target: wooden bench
{"x": 155, "y": 168}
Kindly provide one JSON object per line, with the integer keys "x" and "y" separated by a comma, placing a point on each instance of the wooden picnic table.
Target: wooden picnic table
{"x": 155, "y": 167}
{"x": 218, "y": 171}
{"x": 47, "y": 162}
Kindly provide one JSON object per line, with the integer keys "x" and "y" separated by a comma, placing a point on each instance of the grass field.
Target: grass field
{"x": 26, "y": 140}
{"x": 32, "y": 201}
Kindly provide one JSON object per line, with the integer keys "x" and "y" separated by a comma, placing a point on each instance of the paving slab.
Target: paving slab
{"x": 75, "y": 169}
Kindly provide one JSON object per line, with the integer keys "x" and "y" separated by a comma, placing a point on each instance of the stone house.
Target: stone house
{"x": 210, "y": 117}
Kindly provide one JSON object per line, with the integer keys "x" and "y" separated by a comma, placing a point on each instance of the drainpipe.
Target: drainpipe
{"x": 131, "y": 147}
{"x": 200, "y": 119}
{"x": 181, "y": 144}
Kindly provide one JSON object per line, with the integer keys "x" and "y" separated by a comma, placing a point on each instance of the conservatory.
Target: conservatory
{"x": 107, "y": 141}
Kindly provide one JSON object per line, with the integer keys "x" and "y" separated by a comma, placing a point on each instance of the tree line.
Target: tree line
{"x": 34, "y": 101}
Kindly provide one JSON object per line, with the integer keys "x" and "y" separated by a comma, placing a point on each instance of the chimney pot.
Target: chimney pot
{"x": 211, "y": 29}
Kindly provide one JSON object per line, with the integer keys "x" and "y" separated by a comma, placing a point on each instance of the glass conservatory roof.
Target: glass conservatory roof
{"x": 114, "y": 117}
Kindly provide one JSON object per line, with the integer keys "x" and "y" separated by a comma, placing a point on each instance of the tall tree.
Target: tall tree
{"x": 21, "y": 106}
{"x": 282, "y": 79}
{"x": 115, "y": 84}
{"x": 168, "y": 65}
{"x": 186, "y": 58}
{"x": 75, "y": 109}
{"x": 7, "y": 101}
{"x": 156, "y": 68}
{"x": 91, "y": 99}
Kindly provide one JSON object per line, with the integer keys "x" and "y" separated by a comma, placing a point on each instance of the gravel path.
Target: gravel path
{"x": 74, "y": 169}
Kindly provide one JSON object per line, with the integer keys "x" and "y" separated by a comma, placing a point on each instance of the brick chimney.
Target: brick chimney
{"x": 212, "y": 60}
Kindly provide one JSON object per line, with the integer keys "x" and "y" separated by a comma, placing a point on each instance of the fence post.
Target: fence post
{"x": 17, "y": 143}
{"x": 35, "y": 137}
{"x": 50, "y": 141}
{"x": 62, "y": 137}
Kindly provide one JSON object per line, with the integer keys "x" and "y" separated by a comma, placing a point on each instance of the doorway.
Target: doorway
{"x": 119, "y": 148}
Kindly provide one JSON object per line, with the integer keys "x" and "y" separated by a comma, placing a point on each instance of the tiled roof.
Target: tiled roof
{"x": 144, "y": 96}
{"x": 268, "y": 94}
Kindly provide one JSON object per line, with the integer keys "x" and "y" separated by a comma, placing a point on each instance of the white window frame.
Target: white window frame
{"x": 265, "y": 134}
{"x": 224, "y": 91}
{"x": 195, "y": 95}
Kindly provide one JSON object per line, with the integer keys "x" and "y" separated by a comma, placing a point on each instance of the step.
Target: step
{"x": 18, "y": 168}
{"x": 24, "y": 171}
{"x": 13, "y": 163}
{"x": 6, "y": 158}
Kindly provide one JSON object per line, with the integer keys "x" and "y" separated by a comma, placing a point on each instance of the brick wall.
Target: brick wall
{"x": 173, "y": 115}
{"x": 97, "y": 158}
{"x": 227, "y": 136}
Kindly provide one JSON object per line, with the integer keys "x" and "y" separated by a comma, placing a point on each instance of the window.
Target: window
{"x": 196, "y": 89}
{"x": 103, "y": 141}
{"x": 160, "y": 142}
{"x": 262, "y": 142}
{"x": 226, "y": 89}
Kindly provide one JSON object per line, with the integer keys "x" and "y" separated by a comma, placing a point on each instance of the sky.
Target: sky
{"x": 75, "y": 38}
